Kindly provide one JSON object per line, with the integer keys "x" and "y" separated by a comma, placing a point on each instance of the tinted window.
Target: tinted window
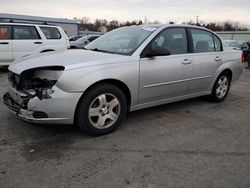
{"x": 92, "y": 38}
{"x": 25, "y": 33}
{"x": 75, "y": 38}
{"x": 174, "y": 40}
{"x": 217, "y": 44}
{"x": 51, "y": 32}
{"x": 5, "y": 32}
{"x": 202, "y": 41}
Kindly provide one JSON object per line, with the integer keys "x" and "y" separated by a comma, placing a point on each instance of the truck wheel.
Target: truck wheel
{"x": 101, "y": 110}
{"x": 221, "y": 87}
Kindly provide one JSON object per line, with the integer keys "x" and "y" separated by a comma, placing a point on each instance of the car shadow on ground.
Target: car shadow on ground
{"x": 157, "y": 111}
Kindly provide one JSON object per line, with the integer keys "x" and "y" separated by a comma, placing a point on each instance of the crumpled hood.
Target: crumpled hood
{"x": 70, "y": 59}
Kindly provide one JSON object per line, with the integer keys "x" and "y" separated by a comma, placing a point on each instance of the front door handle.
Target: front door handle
{"x": 37, "y": 42}
{"x": 4, "y": 43}
{"x": 186, "y": 61}
{"x": 217, "y": 59}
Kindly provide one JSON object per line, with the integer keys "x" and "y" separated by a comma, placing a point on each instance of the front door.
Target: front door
{"x": 164, "y": 77}
{"x": 25, "y": 40}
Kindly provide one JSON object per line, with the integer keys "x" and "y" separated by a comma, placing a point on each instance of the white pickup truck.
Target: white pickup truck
{"x": 18, "y": 40}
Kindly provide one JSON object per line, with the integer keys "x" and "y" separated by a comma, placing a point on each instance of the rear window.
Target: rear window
{"x": 5, "y": 32}
{"x": 51, "y": 32}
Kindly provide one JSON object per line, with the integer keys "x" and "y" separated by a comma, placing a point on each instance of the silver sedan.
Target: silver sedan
{"x": 127, "y": 69}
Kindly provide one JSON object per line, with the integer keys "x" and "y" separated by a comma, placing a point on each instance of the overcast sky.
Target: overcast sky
{"x": 122, "y": 10}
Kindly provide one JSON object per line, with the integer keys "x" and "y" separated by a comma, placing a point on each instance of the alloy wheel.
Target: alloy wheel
{"x": 104, "y": 111}
{"x": 222, "y": 87}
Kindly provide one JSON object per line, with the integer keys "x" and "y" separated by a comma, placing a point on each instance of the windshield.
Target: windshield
{"x": 122, "y": 41}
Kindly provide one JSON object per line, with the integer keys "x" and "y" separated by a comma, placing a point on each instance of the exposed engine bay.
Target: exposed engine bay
{"x": 35, "y": 83}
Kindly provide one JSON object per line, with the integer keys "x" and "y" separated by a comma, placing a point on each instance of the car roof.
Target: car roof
{"x": 162, "y": 26}
{"x": 27, "y": 24}
{"x": 169, "y": 25}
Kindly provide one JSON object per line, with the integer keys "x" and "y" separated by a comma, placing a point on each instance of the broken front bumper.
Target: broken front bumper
{"x": 59, "y": 109}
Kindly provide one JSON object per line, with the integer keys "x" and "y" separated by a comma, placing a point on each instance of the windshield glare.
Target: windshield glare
{"x": 122, "y": 41}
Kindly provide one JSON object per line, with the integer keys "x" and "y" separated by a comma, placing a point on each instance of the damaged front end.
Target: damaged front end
{"x": 33, "y": 83}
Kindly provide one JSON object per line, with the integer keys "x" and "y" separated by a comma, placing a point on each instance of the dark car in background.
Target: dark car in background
{"x": 246, "y": 49}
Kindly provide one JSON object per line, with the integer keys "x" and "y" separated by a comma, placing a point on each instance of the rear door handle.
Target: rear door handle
{"x": 217, "y": 59}
{"x": 4, "y": 43}
{"x": 186, "y": 61}
{"x": 37, "y": 42}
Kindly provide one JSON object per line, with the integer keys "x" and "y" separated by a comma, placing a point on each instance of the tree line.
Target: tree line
{"x": 220, "y": 26}
{"x": 103, "y": 25}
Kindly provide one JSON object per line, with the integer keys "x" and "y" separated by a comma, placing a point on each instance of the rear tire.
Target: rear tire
{"x": 101, "y": 110}
{"x": 221, "y": 87}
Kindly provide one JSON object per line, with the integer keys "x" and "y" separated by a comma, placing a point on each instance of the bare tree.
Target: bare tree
{"x": 85, "y": 20}
{"x": 100, "y": 24}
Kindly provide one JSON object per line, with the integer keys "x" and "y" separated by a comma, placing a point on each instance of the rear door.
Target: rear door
{"x": 207, "y": 58}
{"x": 6, "y": 55}
{"x": 54, "y": 38}
{"x": 25, "y": 40}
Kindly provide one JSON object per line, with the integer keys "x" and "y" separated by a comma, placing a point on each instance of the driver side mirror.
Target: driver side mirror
{"x": 158, "y": 52}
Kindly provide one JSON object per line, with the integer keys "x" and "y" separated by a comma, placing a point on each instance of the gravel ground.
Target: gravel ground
{"x": 192, "y": 143}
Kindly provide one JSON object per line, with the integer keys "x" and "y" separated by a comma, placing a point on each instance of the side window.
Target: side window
{"x": 92, "y": 38}
{"x": 25, "y": 33}
{"x": 51, "y": 32}
{"x": 202, "y": 41}
{"x": 173, "y": 39}
{"x": 217, "y": 44}
{"x": 5, "y": 32}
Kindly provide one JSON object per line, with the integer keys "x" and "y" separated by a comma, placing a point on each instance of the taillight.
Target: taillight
{"x": 242, "y": 57}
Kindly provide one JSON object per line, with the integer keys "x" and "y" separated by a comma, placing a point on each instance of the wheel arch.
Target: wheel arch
{"x": 218, "y": 73}
{"x": 121, "y": 85}
{"x": 229, "y": 71}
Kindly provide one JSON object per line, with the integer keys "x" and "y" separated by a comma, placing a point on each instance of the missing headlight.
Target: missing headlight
{"x": 39, "y": 82}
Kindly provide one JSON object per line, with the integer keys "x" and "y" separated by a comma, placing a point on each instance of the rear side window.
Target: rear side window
{"x": 25, "y": 33}
{"x": 5, "y": 32}
{"x": 202, "y": 41}
{"x": 51, "y": 32}
{"x": 217, "y": 44}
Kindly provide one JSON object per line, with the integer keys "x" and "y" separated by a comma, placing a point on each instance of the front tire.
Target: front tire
{"x": 221, "y": 87}
{"x": 101, "y": 110}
